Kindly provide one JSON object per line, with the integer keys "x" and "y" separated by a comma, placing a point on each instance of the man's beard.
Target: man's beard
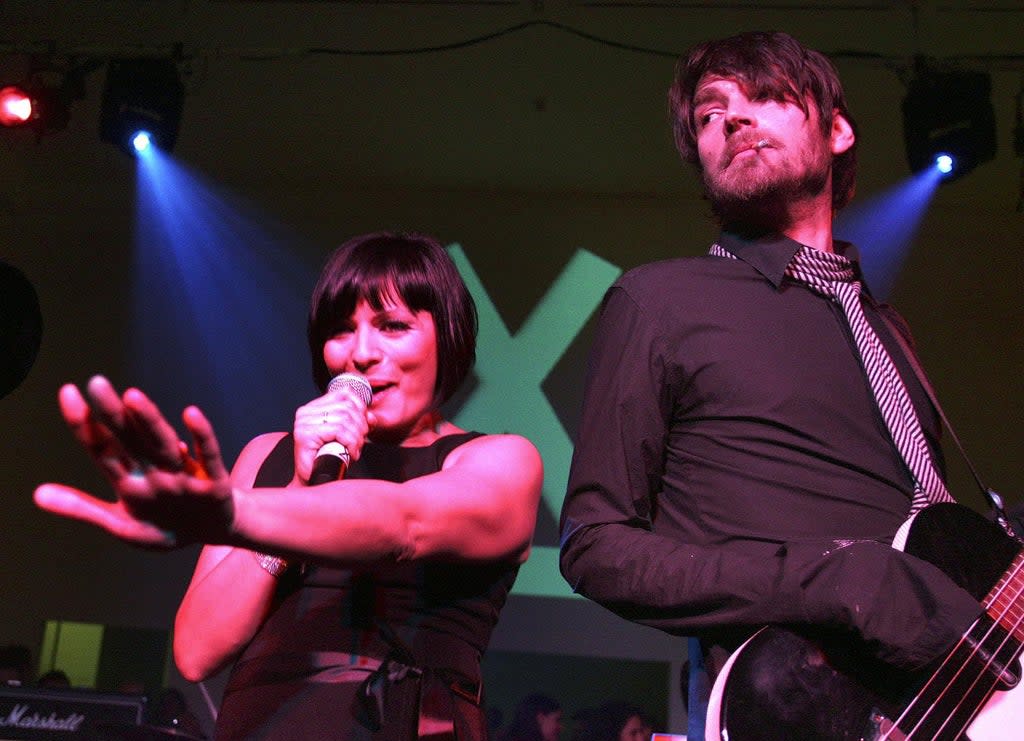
{"x": 761, "y": 198}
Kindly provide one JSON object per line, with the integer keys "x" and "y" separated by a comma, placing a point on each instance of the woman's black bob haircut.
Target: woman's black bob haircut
{"x": 387, "y": 265}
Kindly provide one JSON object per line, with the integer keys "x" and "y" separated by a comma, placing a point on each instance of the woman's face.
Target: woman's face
{"x": 395, "y": 348}
{"x": 550, "y": 725}
{"x": 635, "y": 730}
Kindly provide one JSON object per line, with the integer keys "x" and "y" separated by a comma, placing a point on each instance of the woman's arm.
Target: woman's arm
{"x": 481, "y": 506}
{"x": 230, "y": 593}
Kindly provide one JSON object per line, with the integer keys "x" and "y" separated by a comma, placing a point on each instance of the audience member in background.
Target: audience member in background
{"x": 495, "y": 718}
{"x": 15, "y": 664}
{"x": 613, "y": 721}
{"x": 54, "y": 678}
{"x": 537, "y": 718}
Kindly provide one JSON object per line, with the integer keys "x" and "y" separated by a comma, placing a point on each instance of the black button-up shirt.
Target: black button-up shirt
{"x": 733, "y": 469}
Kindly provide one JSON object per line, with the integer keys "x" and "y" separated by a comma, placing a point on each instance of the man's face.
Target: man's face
{"x": 752, "y": 151}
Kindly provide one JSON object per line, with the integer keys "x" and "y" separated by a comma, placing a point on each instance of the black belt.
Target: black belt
{"x": 438, "y": 688}
{"x": 312, "y": 666}
{"x": 379, "y": 679}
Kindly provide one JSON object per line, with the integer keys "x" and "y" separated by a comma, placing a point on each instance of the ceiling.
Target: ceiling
{"x": 515, "y": 95}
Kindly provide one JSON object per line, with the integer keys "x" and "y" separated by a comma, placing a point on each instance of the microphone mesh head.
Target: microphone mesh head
{"x": 355, "y": 382}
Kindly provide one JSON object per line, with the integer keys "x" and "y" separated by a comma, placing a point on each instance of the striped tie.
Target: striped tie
{"x": 833, "y": 276}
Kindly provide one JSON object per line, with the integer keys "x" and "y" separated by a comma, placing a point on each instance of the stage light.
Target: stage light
{"x": 948, "y": 112}
{"x": 34, "y": 105}
{"x": 141, "y": 95}
{"x": 141, "y": 141}
{"x": 15, "y": 106}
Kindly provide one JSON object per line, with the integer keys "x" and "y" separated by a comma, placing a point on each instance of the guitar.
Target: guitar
{"x": 785, "y": 686}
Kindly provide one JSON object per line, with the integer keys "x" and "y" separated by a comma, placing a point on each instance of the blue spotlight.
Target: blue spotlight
{"x": 141, "y": 94}
{"x": 884, "y": 227}
{"x": 944, "y": 163}
{"x": 948, "y": 111}
{"x": 216, "y": 285}
{"x": 141, "y": 140}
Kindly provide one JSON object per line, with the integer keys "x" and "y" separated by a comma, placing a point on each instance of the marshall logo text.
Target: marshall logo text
{"x": 21, "y": 716}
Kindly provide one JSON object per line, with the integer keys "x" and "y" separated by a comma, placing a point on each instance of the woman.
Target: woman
{"x": 613, "y": 721}
{"x": 537, "y": 718}
{"x": 357, "y": 608}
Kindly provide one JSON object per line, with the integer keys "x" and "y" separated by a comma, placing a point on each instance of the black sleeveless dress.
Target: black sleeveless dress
{"x": 376, "y": 653}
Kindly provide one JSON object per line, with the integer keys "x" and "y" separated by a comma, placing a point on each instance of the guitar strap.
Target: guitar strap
{"x": 994, "y": 500}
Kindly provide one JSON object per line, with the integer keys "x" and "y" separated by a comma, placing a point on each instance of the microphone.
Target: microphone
{"x": 332, "y": 459}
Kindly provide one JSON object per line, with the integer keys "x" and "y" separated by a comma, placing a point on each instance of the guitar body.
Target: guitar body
{"x": 795, "y": 687}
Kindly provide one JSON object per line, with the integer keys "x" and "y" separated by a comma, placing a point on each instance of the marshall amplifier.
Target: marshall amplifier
{"x": 58, "y": 713}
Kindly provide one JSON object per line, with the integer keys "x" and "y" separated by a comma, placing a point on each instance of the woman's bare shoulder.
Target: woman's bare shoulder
{"x": 252, "y": 456}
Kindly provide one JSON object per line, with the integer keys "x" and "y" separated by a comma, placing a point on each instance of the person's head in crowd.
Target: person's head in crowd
{"x": 54, "y": 678}
{"x": 15, "y": 664}
{"x": 537, "y": 717}
{"x": 612, "y": 721}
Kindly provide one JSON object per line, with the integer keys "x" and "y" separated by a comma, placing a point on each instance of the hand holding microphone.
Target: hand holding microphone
{"x": 332, "y": 458}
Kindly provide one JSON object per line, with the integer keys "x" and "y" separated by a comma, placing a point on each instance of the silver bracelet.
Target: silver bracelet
{"x": 273, "y": 565}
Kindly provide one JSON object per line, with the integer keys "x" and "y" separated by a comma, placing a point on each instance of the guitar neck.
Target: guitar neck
{"x": 1005, "y": 601}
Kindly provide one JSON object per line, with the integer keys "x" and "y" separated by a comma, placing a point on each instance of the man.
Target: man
{"x": 734, "y": 468}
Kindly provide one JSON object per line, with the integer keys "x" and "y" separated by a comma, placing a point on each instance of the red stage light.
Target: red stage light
{"x": 17, "y": 107}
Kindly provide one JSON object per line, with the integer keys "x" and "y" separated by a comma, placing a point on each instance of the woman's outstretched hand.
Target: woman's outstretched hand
{"x": 163, "y": 497}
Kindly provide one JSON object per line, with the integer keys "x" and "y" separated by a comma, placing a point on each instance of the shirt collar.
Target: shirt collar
{"x": 769, "y": 255}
